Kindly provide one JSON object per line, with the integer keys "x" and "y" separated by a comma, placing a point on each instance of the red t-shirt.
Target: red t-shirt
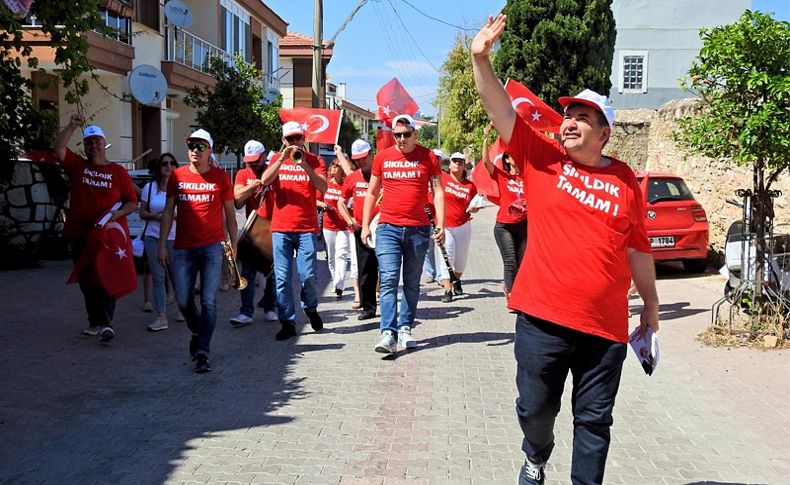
{"x": 404, "y": 180}
{"x": 511, "y": 188}
{"x": 355, "y": 187}
{"x": 247, "y": 176}
{"x": 333, "y": 221}
{"x": 94, "y": 190}
{"x": 295, "y": 195}
{"x": 582, "y": 220}
{"x": 200, "y": 202}
{"x": 457, "y": 196}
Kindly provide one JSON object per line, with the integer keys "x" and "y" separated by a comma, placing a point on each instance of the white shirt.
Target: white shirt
{"x": 157, "y": 206}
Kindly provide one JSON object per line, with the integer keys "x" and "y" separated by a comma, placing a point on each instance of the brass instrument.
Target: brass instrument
{"x": 237, "y": 280}
{"x": 298, "y": 156}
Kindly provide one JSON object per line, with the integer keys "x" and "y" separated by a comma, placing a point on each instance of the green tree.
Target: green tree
{"x": 426, "y": 135}
{"x": 558, "y": 48}
{"x": 462, "y": 117}
{"x": 22, "y": 125}
{"x": 348, "y": 133}
{"x": 742, "y": 78}
{"x": 233, "y": 111}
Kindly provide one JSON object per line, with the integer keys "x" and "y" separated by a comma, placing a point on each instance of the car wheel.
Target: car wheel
{"x": 695, "y": 265}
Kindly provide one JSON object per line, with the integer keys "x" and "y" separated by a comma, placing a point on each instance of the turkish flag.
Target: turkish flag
{"x": 320, "y": 125}
{"x": 106, "y": 261}
{"x": 384, "y": 138}
{"x": 393, "y": 100}
{"x": 480, "y": 177}
{"x": 532, "y": 109}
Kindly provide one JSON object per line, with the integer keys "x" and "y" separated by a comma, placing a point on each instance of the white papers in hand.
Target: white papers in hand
{"x": 646, "y": 349}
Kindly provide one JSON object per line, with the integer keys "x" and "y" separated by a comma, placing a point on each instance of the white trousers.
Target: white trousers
{"x": 340, "y": 249}
{"x": 456, "y": 242}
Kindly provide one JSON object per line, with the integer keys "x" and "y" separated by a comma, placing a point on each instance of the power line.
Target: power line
{"x": 397, "y": 14}
{"x": 437, "y": 19}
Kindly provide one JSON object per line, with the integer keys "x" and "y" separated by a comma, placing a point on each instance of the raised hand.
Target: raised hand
{"x": 488, "y": 35}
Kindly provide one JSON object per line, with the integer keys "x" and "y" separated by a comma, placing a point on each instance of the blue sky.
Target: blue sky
{"x": 375, "y": 46}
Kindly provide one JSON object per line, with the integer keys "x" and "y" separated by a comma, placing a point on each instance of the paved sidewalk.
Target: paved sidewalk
{"x": 325, "y": 409}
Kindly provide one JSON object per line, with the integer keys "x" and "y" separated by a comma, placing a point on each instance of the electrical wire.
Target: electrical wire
{"x": 437, "y": 19}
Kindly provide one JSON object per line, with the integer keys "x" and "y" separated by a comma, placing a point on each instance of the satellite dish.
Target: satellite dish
{"x": 178, "y": 13}
{"x": 148, "y": 85}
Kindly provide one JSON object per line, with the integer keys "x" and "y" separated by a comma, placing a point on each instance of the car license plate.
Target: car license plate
{"x": 662, "y": 242}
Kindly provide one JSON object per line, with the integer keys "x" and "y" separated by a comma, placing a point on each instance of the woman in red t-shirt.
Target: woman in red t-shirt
{"x": 340, "y": 245}
{"x": 458, "y": 194}
{"x": 510, "y": 230}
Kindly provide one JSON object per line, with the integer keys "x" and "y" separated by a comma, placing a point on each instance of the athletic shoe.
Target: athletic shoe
{"x": 240, "y": 320}
{"x": 387, "y": 344}
{"x": 148, "y": 307}
{"x": 202, "y": 364}
{"x": 366, "y": 315}
{"x": 106, "y": 334}
{"x": 531, "y": 474}
{"x": 315, "y": 320}
{"x": 430, "y": 279}
{"x": 287, "y": 330}
{"x": 338, "y": 293}
{"x": 180, "y": 317}
{"x": 157, "y": 325}
{"x": 448, "y": 296}
{"x": 91, "y": 331}
{"x": 457, "y": 288}
{"x": 405, "y": 339}
{"x": 270, "y": 316}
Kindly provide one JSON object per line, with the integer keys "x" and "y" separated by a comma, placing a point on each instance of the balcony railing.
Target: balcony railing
{"x": 192, "y": 51}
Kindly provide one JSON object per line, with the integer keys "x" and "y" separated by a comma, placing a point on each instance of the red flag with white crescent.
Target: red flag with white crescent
{"x": 393, "y": 100}
{"x": 480, "y": 177}
{"x": 106, "y": 261}
{"x": 532, "y": 109}
{"x": 320, "y": 125}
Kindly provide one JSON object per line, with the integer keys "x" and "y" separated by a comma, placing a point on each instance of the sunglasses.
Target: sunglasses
{"x": 405, "y": 134}
{"x": 165, "y": 163}
{"x": 293, "y": 138}
{"x": 201, "y": 147}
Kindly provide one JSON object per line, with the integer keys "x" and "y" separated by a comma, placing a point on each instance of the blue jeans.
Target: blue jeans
{"x": 545, "y": 352}
{"x": 284, "y": 245}
{"x": 397, "y": 245}
{"x": 248, "y": 294}
{"x": 157, "y": 271}
{"x": 186, "y": 264}
{"x": 429, "y": 267}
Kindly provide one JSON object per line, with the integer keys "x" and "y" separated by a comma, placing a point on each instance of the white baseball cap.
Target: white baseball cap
{"x": 439, "y": 154}
{"x": 590, "y": 98}
{"x": 92, "y": 130}
{"x": 403, "y": 119}
{"x": 359, "y": 149}
{"x": 292, "y": 128}
{"x": 201, "y": 134}
{"x": 253, "y": 150}
{"x": 458, "y": 156}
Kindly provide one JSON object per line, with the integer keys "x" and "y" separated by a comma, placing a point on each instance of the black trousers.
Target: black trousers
{"x": 511, "y": 239}
{"x": 99, "y": 305}
{"x": 368, "y": 269}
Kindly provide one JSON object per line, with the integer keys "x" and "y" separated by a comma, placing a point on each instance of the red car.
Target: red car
{"x": 676, "y": 223}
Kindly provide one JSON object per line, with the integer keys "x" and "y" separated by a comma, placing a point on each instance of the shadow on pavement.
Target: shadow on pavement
{"x": 453, "y": 339}
{"x": 670, "y": 311}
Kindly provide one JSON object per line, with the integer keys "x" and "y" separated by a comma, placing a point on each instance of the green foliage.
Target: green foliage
{"x": 462, "y": 117}
{"x": 426, "y": 136}
{"x": 348, "y": 133}
{"x": 22, "y": 126}
{"x": 558, "y": 48}
{"x": 233, "y": 110}
{"x": 742, "y": 75}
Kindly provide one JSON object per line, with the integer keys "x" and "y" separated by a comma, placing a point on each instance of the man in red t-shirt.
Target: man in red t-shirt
{"x": 249, "y": 192}
{"x": 203, "y": 195}
{"x": 355, "y": 187}
{"x": 402, "y": 172}
{"x": 295, "y": 175}
{"x": 96, "y": 186}
{"x": 587, "y": 238}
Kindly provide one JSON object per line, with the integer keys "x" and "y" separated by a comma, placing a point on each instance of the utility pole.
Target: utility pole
{"x": 318, "y": 20}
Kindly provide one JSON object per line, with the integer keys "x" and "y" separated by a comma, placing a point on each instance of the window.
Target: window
{"x": 121, "y": 27}
{"x": 236, "y": 32}
{"x": 633, "y": 72}
{"x": 147, "y": 13}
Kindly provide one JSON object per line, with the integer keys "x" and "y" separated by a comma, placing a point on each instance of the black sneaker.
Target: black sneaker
{"x": 106, "y": 334}
{"x": 531, "y": 474}
{"x": 448, "y": 296}
{"x": 338, "y": 293}
{"x": 287, "y": 330}
{"x": 315, "y": 320}
{"x": 201, "y": 364}
{"x": 366, "y": 315}
{"x": 457, "y": 288}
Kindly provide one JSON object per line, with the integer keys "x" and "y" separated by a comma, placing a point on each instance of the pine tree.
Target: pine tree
{"x": 558, "y": 47}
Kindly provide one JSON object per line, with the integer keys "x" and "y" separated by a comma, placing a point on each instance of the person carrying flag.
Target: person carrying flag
{"x": 97, "y": 185}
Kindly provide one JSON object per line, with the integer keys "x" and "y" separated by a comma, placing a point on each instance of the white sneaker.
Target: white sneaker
{"x": 240, "y": 320}
{"x": 387, "y": 343}
{"x": 405, "y": 339}
{"x": 271, "y": 316}
{"x": 180, "y": 317}
{"x": 148, "y": 307}
{"x": 158, "y": 324}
